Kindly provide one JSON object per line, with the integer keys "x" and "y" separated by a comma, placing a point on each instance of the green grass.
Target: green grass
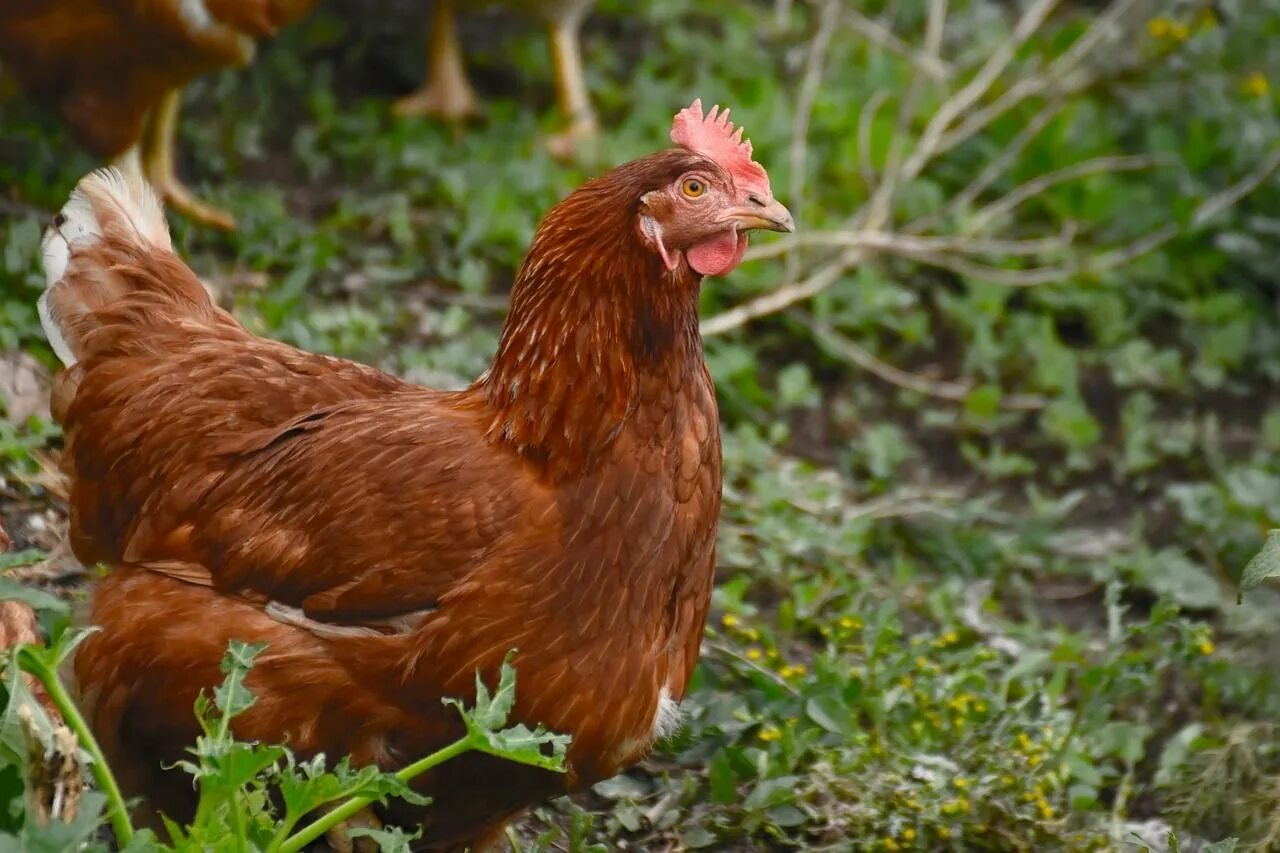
{"x": 987, "y": 501}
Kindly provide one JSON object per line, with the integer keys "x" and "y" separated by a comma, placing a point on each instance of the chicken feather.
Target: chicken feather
{"x": 388, "y": 541}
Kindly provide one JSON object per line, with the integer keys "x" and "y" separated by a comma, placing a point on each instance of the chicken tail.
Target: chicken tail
{"x": 108, "y": 215}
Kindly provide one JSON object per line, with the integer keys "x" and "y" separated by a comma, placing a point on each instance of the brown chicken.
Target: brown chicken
{"x": 114, "y": 69}
{"x": 388, "y": 541}
{"x": 447, "y": 92}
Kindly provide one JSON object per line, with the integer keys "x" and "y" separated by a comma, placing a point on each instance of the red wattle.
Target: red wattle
{"x": 718, "y": 255}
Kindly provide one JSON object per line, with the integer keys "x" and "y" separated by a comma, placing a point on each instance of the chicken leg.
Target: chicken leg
{"x": 571, "y": 85}
{"x": 447, "y": 93}
{"x": 157, "y": 165}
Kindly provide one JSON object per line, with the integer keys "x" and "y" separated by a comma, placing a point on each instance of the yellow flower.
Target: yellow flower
{"x": 1158, "y": 28}
{"x": 850, "y": 624}
{"x": 1179, "y": 31}
{"x": 769, "y": 734}
{"x": 891, "y": 844}
{"x": 944, "y": 833}
{"x": 1256, "y": 85}
{"x": 1033, "y": 760}
{"x": 981, "y": 707}
{"x": 729, "y": 621}
{"x": 1206, "y": 647}
{"x": 922, "y": 662}
{"x": 960, "y": 782}
{"x": 906, "y": 682}
{"x": 908, "y": 834}
{"x": 1046, "y": 810}
{"x": 751, "y": 634}
{"x": 754, "y": 653}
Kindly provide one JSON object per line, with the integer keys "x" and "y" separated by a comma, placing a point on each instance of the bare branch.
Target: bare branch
{"x": 998, "y": 166}
{"x": 963, "y": 100}
{"x": 1220, "y": 201}
{"x": 881, "y": 36}
{"x": 815, "y": 64}
{"x": 787, "y": 295}
{"x": 866, "y": 119}
{"x": 911, "y": 245}
{"x": 877, "y": 212}
{"x": 956, "y": 392}
{"x": 1042, "y": 183}
{"x": 1062, "y": 77}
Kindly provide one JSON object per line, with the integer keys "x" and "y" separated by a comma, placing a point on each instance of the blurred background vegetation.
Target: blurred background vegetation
{"x": 1001, "y": 422}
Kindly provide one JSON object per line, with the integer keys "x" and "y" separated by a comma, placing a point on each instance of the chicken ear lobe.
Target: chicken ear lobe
{"x": 653, "y": 231}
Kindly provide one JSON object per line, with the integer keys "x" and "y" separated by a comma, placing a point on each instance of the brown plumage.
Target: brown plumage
{"x": 387, "y": 541}
{"x": 113, "y": 70}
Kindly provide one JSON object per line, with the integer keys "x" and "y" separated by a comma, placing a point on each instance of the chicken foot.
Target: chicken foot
{"x": 447, "y": 93}
{"x": 571, "y": 87}
{"x": 154, "y": 158}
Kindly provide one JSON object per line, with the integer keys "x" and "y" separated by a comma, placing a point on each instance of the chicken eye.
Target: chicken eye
{"x": 693, "y": 187}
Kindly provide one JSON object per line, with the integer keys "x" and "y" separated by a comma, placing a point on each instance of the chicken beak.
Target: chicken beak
{"x": 772, "y": 216}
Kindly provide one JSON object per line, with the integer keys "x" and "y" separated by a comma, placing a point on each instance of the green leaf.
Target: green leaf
{"x": 19, "y": 559}
{"x": 518, "y": 743}
{"x": 232, "y": 697}
{"x": 61, "y": 836}
{"x": 983, "y": 402}
{"x": 1264, "y": 566}
{"x": 37, "y": 599}
{"x": 831, "y": 713}
{"x": 390, "y": 840}
{"x": 722, "y": 779}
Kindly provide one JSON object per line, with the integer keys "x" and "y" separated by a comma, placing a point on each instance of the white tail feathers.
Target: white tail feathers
{"x": 104, "y": 204}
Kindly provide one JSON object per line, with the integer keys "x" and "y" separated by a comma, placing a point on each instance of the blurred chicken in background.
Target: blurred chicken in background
{"x": 114, "y": 70}
{"x": 447, "y": 93}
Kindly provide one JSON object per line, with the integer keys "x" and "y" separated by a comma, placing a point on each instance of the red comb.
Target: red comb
{"x": 714, "y": 137}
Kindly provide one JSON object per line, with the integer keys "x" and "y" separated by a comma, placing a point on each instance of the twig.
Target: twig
{"x": 911, "y": 245}
{"x": 998, "y": 166}
{"x": 1042, "y": 183}
{"x": 953, "y": 391}
{"x": 1220, "y": 201}
{"x": 904, "y": 503}
{"x": 964, "y": 99}
{"x": 866, "y": 121}
{"x": 814, "y": 65}
{"x": 877, "y": 212}
{"x": 742, "y": 659}
{"x": 881, "y": 36}
{"x": 776, "y": 300}
{"x": 1060, "y": 78}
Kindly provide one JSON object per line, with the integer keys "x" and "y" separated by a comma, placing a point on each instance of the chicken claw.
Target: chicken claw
{"x": 447, "y": 93}
{"x": 157, "y": 164}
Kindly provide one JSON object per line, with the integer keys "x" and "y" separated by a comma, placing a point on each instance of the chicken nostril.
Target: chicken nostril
{"x": 59, "y": 220}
